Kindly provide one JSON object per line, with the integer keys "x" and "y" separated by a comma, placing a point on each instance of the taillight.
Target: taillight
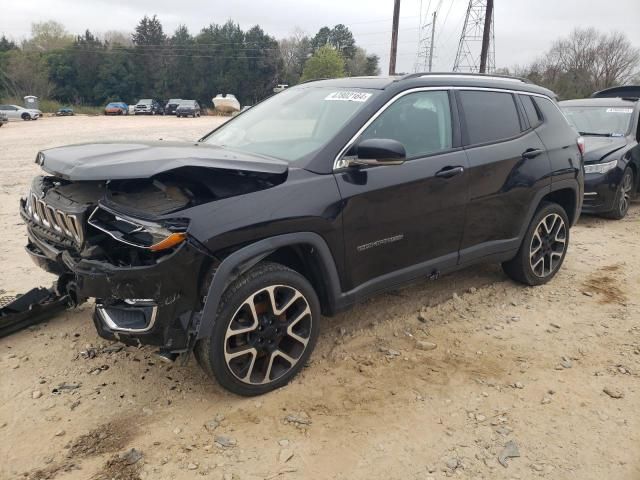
{"x": 580, "y": 143}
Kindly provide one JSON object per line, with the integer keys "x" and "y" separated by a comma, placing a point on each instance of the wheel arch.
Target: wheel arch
{"x": 305, "y": 252}
{"x": 566, "y": 198}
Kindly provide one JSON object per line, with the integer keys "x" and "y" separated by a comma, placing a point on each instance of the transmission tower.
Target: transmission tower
{"x": 424, "y": 60}
{"x": 469, "y": 47}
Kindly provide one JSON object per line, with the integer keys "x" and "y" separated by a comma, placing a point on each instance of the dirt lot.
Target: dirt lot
{"x": 519, "y": 367}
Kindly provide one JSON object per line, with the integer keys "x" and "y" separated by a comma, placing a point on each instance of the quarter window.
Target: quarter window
{"x": 531, "y": 111}
{"x": 421, "y": 121}
{"x": 490, "y": 116}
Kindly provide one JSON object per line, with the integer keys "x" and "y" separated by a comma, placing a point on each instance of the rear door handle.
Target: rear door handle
{"x": 532, "y": 153}
{"x": 448, "y": 172}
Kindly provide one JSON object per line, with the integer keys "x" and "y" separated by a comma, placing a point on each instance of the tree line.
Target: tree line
{"x": 584, "y": 62}
{"x": 94, "y": 69}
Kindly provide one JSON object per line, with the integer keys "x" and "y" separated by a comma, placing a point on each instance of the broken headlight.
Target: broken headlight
{"x": 139, "y": 233}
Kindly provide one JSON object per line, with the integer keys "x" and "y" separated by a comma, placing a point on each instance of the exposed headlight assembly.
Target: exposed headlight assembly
{"x": 600, "y": 167}
{"x": 139, "y": 233}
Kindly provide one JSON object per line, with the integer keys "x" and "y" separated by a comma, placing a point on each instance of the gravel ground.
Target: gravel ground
{"x": 452, "y": 378}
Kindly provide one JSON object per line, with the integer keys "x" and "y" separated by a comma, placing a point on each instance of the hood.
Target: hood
{"x": 596, "y": 148}
{"x": 118, "y": 161}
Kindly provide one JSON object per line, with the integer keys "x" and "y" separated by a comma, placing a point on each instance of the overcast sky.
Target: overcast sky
{"x": 523, "y": 29}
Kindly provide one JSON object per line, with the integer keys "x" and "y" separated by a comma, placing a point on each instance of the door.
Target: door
{"x": 10, "y": 110}
{"x": 406, "y": 220}
{"x": 508, "y": 165}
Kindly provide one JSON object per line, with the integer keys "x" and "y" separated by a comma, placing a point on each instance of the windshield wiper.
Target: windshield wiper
{"x": 596, "y": 134}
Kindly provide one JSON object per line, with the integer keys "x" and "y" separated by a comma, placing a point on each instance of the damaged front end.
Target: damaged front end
{"x": 142, "y": 271}
{"x": 126, "y": 243}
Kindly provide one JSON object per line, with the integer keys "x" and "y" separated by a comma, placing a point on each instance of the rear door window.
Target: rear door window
{"x": 489, "y": 116}
{"x": 531, "y": 111}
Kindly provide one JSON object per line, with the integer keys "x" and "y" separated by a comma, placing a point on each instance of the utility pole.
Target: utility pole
{"x": 477, "y": 39}
{"x": 486, "y": 36}
{"x": 433, "y": 31}
{"x": 394, "y": 37}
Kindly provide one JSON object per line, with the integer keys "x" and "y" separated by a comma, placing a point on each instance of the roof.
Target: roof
{"x": 599, "y": 102}
{"x": 620, "y": 91}
{"x": 438, "y": 79}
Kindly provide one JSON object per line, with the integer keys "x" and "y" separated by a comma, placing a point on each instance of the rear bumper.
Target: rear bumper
{"x": 600, "y": 191}
{"x": 151, "y": 304}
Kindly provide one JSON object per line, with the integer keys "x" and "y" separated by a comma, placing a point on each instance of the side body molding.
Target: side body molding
{"x": 242, "y": 260}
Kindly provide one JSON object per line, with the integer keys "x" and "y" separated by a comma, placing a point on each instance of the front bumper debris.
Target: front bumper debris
{"x": 35, "y": 306}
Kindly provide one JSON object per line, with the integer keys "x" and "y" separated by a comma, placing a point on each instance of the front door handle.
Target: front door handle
{"x": 531, "y": 153}
{"x": 448, "y": 172}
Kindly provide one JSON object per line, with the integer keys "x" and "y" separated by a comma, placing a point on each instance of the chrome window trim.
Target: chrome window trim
{"x": 339, "y": 163}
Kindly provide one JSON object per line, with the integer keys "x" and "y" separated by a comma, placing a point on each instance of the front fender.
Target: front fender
{"x": 243, "y": 259}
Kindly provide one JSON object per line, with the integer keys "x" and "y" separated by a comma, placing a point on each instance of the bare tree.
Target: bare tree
{"x": 117, "y": 37}
{"x": 294, "y": 51}
{"x": 46, "y": 36}
{"x": 584, "y": 62}
{"x": 617, "y": 60}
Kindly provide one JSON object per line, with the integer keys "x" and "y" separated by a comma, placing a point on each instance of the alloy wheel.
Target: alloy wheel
{"x": 625, "y": 194}
{"x": 267, "y": 334}
{"x": 548, "y": 245}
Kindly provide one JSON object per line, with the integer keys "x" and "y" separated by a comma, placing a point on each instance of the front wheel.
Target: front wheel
{"x": 543, "y": 248}
{"x": 26, "y": 117}
{"x": 265, "y": 330}
{"x": 623, "y": 196}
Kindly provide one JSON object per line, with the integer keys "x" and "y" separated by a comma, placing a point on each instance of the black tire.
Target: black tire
{"x": 549, "y": 248}
{"x": 26, "y": 117}
{"x": 623, "y": 195}
{"x": 212, "y": 352}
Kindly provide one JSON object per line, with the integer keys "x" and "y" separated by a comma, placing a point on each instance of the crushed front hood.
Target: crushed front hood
{"x": 124, "y": 160}
{"x": 597, "y": 148}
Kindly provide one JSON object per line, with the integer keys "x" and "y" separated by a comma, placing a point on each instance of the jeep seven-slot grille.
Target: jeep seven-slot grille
{"x": 53, "y": 219}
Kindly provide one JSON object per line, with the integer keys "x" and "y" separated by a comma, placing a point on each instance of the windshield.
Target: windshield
{"x": 114, "y": 105}
{"x": 293, "y": 123}
{"x": 145, "y": 101}
{"x": 606, "y": 121}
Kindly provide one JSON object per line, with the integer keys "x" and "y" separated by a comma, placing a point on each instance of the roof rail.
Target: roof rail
{"x": 488, "y": 76}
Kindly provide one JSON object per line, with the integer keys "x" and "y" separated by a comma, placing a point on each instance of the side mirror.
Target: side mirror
{"x": 378, "y": 151}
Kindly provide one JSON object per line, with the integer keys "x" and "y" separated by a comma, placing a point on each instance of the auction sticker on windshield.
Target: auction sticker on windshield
{"x": 348, "y": 96}
{"x": 619, "y": 110}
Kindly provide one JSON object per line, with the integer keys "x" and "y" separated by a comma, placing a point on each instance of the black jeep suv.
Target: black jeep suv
{"x": 610, "y": 124}
{"x": 324, "y": 194}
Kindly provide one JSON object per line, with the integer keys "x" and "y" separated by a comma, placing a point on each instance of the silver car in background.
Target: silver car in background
{"x": 16, "y": 112}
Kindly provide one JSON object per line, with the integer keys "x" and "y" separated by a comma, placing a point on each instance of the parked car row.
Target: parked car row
{"x": 151, "y": 106}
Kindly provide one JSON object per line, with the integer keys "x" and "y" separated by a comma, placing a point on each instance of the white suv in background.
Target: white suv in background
{"x": 16, "y": 112}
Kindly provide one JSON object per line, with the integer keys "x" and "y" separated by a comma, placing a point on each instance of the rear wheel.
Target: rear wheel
{"x": 543, "y": 248}
{"x": 266, "y": 327}
{"x": 623, "y": 196}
